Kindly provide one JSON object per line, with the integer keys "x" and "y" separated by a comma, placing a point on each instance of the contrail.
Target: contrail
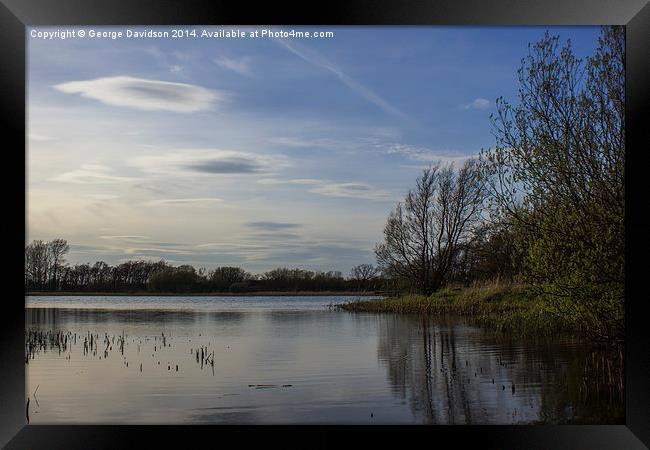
{"x": 317, "y": 59}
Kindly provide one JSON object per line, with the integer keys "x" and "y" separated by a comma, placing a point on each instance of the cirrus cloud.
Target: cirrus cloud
{"x": 352, "y": 190}
{"x": 423, "y": 154}
{"x": 240, "y": 65}
{"x": 143, "y": 93}
{"x": 90, "y": 174}
{"x": 329, "y": 188}
{"x": 201, "y": 201}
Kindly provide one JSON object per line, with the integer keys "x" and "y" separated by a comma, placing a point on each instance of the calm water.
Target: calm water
{"x": 284, "y": 360}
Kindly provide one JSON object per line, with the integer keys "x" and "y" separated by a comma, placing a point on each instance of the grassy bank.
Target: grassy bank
{"x": 511, "y": 310}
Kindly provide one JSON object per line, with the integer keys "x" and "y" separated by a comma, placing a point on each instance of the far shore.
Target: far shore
{"x": 207, "y": 294}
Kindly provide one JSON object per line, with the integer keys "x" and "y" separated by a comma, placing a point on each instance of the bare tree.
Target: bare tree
{"x": 56, "y": 249}
{"x": 423, "y": 235}
{"x": 364, "y": 274}
{"x": 36, "y": 264}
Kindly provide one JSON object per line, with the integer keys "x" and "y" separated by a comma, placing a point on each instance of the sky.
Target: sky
{"x": 255, "y": 152}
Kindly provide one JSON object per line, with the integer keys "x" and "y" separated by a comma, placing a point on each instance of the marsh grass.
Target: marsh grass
{"x": 513, "y": 310}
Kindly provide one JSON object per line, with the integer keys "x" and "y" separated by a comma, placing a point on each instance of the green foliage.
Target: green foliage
{"x": 508, "y": 310}
{"x": 557, "y": 174}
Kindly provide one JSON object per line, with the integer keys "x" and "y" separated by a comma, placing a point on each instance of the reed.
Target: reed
{"x": 504, "y": 309}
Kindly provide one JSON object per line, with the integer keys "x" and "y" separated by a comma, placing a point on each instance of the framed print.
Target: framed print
{"x": 334, "y": 220}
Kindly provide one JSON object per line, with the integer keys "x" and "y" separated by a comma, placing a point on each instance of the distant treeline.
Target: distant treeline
{"x": 47, "y": 271}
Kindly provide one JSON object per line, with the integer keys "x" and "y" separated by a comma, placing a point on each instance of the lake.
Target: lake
{"x": 291, "y": 360}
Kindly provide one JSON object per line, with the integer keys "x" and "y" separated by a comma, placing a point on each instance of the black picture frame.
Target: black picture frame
{"x": 16, "y": 15}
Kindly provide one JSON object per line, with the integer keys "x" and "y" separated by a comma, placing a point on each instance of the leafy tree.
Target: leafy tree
{"x": 557, "y": 172}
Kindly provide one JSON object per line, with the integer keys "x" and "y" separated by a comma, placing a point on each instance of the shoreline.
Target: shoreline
{"x": 207, "y": 294}
{"x": 509, "y": 310}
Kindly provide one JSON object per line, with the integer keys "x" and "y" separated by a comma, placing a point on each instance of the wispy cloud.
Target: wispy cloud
{"x": 335, "y": 189}
{"x": 271, "y": 226}
{"x": 319, "y": 143}
{"x": 90, "y": 174}
{"x": 315, "y": 58}
{"x": 263, "y": 251}
{"x": 144, "y": 94}
{"x": 125, "y": 238}
{"x": 276, "y": 236}
{"x": 423, "y": 154}
{"x": 240, "y": 65}
{"x": 210, "y": 162}
{"x": 155, "y": 252}
{"x": 295, "y": 142}
{"x": 352, "y": 190}
{"x": 169, "y": 60}
{"x": 39, "y": 137}
{"x": 102, "y": 196}
{"x": 299, "y": 181}
{"x": 205, "y": 201}
{"x": 226, "y": 165}
{"x": 478, "y": 103}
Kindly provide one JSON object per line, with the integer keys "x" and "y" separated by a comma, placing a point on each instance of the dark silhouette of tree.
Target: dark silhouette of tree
{"x": 175, "y": 279}
{"x": 365, "y": 275}
{"x": 36, "y": 264}
{"x": 423, "y": 235}
{"x": 46, "y": 270}
{"x": 222, "y": 278}
{"x": 56, "y": 250}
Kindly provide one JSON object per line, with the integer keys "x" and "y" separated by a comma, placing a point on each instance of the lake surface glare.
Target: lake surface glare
{"x": 289, "y": 360}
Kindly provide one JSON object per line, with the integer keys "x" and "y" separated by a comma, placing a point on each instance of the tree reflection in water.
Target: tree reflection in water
{"x": 453, "y": 373}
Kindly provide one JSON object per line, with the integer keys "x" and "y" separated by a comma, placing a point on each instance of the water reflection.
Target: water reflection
{"x": 452, "y": 373}
{"x": 301, "y": 366}
{"x": 55, "y": 317}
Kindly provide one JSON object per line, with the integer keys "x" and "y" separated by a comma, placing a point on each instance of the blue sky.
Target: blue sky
{"x": 256, "y": 152}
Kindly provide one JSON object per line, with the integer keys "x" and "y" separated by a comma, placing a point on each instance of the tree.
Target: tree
{"x": 56, "y": 250}
{"x": 222, "y": 278}
{"x": 423, "y": 236}
{"x": 557, "y": 172}
{"x": 174, "y": 279}
{"x": 492, "y": 255}
{"x": 45, "y": 269}
{"x": 364, "y": 274}
{"x": 36, "y": 264}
